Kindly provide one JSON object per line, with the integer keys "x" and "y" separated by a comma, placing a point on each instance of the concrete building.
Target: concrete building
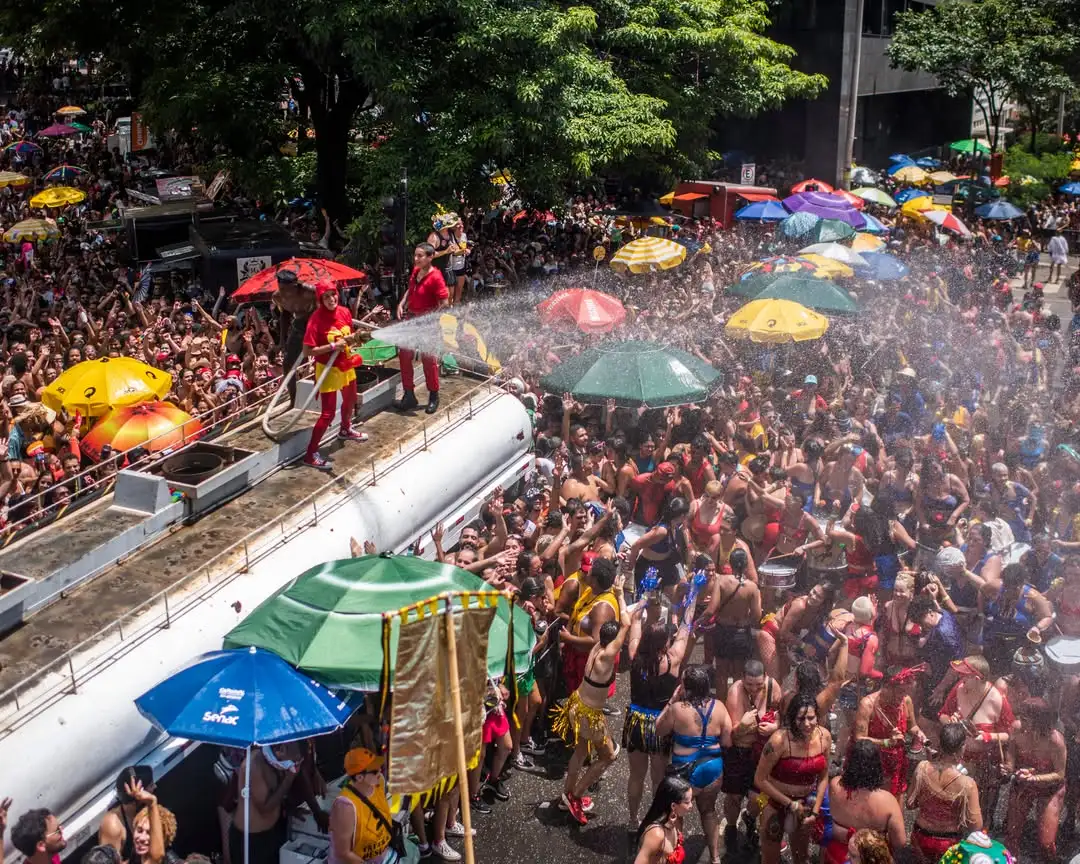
{"x": 845, "y": 40}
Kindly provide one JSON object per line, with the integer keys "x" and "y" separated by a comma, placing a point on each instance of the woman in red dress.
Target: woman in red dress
{"x": 885, "y": 718}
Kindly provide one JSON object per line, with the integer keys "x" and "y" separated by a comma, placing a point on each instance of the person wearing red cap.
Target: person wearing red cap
{"x": 652, "y": 489}
{"x": 427, "y": 292}
{"x": 327, "y": 329}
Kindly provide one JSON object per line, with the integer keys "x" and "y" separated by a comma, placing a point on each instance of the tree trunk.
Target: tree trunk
{"x": 332, "y": 109}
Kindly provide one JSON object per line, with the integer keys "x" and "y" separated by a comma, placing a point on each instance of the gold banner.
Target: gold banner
{"x": 423, "y": 747}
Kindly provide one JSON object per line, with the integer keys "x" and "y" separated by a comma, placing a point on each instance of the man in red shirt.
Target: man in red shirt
{"x": 652, "y": 489}
{"x": 427, "y": 292}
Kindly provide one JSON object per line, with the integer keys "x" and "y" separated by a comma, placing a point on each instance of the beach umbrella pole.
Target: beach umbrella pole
{"x": 459, "y": 730}
{"x": 247, "y": 805}
{"x": 595, "y": 274}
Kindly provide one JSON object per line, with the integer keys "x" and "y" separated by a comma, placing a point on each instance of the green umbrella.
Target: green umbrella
{"x": 756, "y": 281}
{"x": 82, "y": 127}
{"x": 634, "y": 374}
{"x": 821, "y": 295}
{"x": 328, "y": 621}
{"x": 376, "y": 351}
{"x": 969, "y": 145}
{"x": 829, "y": 231}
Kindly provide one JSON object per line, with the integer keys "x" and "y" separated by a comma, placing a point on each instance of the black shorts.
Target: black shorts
{"x": 739, "y": 768}
{"x": 732, "y": 642}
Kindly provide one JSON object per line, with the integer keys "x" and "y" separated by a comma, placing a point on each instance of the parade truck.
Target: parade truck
{"x": 698, "y": 199}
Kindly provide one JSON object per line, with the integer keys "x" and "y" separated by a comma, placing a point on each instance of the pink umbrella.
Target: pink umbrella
{"x": 811, "y": 185}
{"x": 945, "y": 219}
{"x": 58, "y": 130}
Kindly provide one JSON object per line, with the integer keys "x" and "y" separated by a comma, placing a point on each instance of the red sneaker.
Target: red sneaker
{"x": 573, "y": 805}
{"x": 318, "y": 463}
{"x": 353, "y": 435}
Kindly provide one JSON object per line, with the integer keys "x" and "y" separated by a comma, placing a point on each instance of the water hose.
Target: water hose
{"x": 280, "y": 434}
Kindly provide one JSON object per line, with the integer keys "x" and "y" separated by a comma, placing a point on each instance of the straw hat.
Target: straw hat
{"x": 449, "y": 219}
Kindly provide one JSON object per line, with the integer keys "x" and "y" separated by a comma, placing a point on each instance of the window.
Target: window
{"x": 871, "y": 24}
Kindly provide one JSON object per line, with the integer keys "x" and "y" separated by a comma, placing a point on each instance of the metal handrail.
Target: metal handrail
{"x": 149, "y": 459}
{"x": 250, "y": 554}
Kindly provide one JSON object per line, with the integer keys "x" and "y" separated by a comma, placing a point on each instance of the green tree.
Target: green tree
{"x": 450, "y": 91}
{"x": 989, "y": 50}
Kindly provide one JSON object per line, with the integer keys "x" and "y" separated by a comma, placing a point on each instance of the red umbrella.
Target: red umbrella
{"x": 156, "y": 426}
{"x": 811, "y": 185}
{"x": 590, "y": 311}
{"x": 854, "y": 200}
{"x": 307, "y": 270}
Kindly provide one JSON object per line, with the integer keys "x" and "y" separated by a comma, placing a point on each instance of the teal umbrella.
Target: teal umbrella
{"x": 635, "y": 374}
{"x": 829, "y": 231}
{"x": 328, "y": 621}
{"x": 822, "y": 295}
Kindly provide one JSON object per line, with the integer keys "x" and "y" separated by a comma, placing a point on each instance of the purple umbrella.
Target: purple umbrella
{"x": 58, "y": 130}
{"x": 825, "y": 205}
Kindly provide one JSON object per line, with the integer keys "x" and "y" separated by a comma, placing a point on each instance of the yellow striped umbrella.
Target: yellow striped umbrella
{"x": 58, "y": 196}
{"x": 775, "y": 321}
{"x": 13, "y": 178}
{"x": 647, "y": 254}
{"x": 31, "y": 229}
{"x": 867, "y": 243}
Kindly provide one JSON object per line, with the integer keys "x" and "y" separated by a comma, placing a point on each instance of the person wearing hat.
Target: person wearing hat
{"x": 328, "y": 328}
{"x": 651, "y": 490}
{"x": 361, "y": 828}
{"x": 426, "y": 292}
{"x": 451, "y": 247}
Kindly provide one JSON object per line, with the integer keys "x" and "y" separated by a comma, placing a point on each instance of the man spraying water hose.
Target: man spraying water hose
{"x": 328, "y": 330}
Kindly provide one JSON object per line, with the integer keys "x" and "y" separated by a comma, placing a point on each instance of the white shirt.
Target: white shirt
{"x": 1058, "y": 249}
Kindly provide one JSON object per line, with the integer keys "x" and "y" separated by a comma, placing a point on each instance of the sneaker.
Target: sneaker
{"x": 479, "y": 805}
{"x": 318, "y": 462}
{"x": 533, "y": 748}
{"x": 424, "y": 850}
{"x": 407, "y": 401}
{"x": 575, "y": 809}
{"x": 524, "y": 763}
{"x": 353, "y": 435}
{"x": 445, "y": 851}
{"x": 433, "y": 403}
{"x": 498, "y": 789}
{"x": 458, "y": 830}
{"x": 587, "y": 804}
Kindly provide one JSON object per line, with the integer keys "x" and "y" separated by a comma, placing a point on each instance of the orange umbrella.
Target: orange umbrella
{"x": 154, "y": 425}
{"x": 590, "y": 311}
{"x": 811, "y": 185}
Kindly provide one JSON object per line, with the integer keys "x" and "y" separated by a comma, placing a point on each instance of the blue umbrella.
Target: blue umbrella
{"x": 1070, "y": 188}
{"x": 901, "y": 159}
{"x": 905, "y": 195}
{"x": 241, "y": 698}
{"x": 884, "y": 267}
{"x": 999, "y": 210}
{"x": 763, "y": 211}
{"x": 928, "y": 162}
{"x": 799, "y": 224}
{"x": 874, "y": 225}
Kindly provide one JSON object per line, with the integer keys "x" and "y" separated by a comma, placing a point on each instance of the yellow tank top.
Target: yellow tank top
{"x": 371, "y": 837}
{"x": 585, "y": 603}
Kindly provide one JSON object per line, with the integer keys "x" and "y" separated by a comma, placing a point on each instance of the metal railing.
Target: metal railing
{"x": 33, "y": 694}
{"x": 75, "y": 483}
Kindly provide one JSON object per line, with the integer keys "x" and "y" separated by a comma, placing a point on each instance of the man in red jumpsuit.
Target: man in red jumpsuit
{"x": 426, "y": 292}
{"x": 327, "y": 329}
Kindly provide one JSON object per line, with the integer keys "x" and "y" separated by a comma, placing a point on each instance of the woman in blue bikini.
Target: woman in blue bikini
{"x": 700, "y": 730}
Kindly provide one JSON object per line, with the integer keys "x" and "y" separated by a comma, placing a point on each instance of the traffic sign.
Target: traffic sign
{"x": 748, "y": 173}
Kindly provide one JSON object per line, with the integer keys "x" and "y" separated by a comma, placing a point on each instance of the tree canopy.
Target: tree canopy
{"x": 990, "y": 50}
{"x": 451, "y": 90}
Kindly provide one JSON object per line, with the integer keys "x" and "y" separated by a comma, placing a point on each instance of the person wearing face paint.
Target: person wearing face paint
{"x": 328, "y": 328}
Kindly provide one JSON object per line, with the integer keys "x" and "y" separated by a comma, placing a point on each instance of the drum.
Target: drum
{"x": 827, "y": 562}
{"x": 1064, "y": 653}
{"x": 777, "y": 575}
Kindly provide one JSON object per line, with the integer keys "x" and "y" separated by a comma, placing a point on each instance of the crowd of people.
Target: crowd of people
{"x": 828, "y": 589}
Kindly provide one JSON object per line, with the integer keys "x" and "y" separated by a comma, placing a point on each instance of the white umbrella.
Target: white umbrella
{"x": 946, "y": 220}
{"x": 836, "y": 252}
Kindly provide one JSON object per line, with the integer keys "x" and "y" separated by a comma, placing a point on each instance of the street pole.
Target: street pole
{"x": 1061, "y": 114}
{"x": 849, "y": 88}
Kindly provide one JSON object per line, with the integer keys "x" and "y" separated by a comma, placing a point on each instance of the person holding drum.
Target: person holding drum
{"x": 1017, "y": 614}
{"x": 887, "y": 719}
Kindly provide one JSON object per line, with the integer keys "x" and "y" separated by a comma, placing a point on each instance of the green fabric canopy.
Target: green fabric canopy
{"x": 969, "y": 145}
{"x": 821, "y": 295}
{"x": 634, "y": 374}
{"x": 376, "y": 351}
{"x": 328, "y": 621}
